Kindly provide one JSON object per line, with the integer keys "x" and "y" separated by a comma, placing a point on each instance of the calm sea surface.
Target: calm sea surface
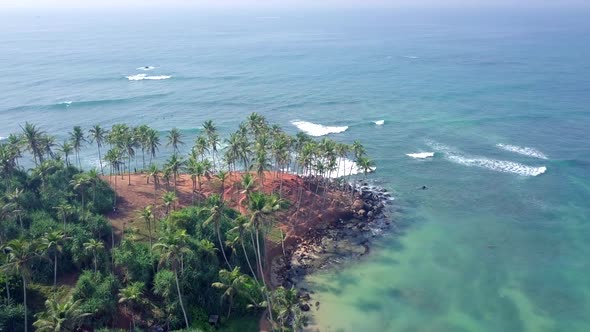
{"x": 499, "y": 242}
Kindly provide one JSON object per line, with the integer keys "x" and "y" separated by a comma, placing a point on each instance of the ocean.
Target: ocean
{"x": 492, "y": 106}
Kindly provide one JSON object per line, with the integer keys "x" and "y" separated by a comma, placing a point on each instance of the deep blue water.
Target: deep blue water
{"x": 499, "y": 242}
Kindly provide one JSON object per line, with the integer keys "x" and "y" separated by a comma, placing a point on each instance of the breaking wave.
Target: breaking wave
{"x": 141, "y": 77}
{"x": 503, "y": 166}
{"x": 525, "y": 151}
{"x": 314, "y": 129}
{"x": 420, "y": 155}
{"x": 380, "y": 122}
{"x": 499, "y": 165}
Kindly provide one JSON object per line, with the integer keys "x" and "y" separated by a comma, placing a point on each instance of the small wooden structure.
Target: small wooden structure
{"x": 214, "y": 320}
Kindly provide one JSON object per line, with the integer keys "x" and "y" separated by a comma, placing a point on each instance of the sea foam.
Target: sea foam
{"x": 420, "y": 155}
{"x": 499, "y": 165}
{"x": 314, "y": 129}
{"x": 504, "y": 166}
{"x": 380, "y": 122}
{"x": 525, "y": 151}
{"x": 141, "y": 77}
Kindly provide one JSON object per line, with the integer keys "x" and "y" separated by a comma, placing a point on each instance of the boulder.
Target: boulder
{"x": 357, "y": 205}
{"x": 304, "y": 307}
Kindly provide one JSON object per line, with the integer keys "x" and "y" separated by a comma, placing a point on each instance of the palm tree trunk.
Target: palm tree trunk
{"x": 259, "y": 257}
{"x": 100, "y": 160}
{"x": 221, "y": 247}
{"x": 113, "y": 244}
{"x": 7, "y": 289}
{"x": 248, "y": 259}
{"x": 150, "y": 234}
{"x": 25, "y": 302}
{"x": 54, "y": 270}
{"x": 95, "y": 262}
{"x": 129, "y": 171}
{"x": 180, "y": 298}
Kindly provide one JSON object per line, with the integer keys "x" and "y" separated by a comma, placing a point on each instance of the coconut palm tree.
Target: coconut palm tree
{"x": 152, "y": 143}
{"x": 60, "y": 316}
{"x": 129, "y": 145}
{"x": 8, "y": 162}
{"x": 113, "y": 157}
{"x": 52, "y": 243}
{"x": 63, "y": 211}
{"x": 222, "y": 176}
{"x": 79, "y": 183}
{"x": 175, "y": 164}
{"x": 286, "y": 305}
{"x": 365, "y": 165}
{"x": 66, "y": 148}
{"x": 169, "y": 200}
{"x": 98, "y": 134}
{"x": 217, "y": 214}
{"x": 257, "y": 205}
{"x": 77, "y": 139}
{"x": 148, "y": 217}
{"x": 14, "y": 199}
{"x": 241, "y": 226}
{"x": 261, "y": 164}
{"x": 20, "y": 253}
{"x": 230, "y": 282}
{"x": 94, "y": 246}
{"x": 201, "y": 147}
{"x": 172, "y": 246}
{"x": 15, "y": 144}
{"x": 132, "y": 297}
{"x": 175, "y": 139}
{"x": 153, "y": 173}
{"x": 47, "y": 144}
{"x": 32, "y": 136}
{"x": 141, "y": 137}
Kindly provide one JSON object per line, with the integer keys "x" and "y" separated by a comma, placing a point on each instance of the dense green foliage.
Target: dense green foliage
{"x": 63, "y": 266}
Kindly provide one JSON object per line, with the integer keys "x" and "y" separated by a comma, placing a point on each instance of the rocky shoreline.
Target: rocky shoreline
{"x": 334, "y": 243}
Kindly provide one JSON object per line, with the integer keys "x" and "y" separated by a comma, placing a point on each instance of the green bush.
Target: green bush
{"x": 135, "y": 261}
{"x": 12, "y": 317}
{"x": 99, "y": 295}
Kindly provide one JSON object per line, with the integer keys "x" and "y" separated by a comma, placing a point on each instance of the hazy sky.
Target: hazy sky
{"x": 282, "y": 4}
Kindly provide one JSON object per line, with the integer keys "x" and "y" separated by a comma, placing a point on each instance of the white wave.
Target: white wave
{"x": 379, "y": 122}
{"x": 499, "y": 165}
{"x": 504, "y": 166}
{"x": 410, "y": 57}
{"x": 439, "y": 147}
{"x": 141, "y": 77}
{"x": 525, "y": 151}
{"x": 67, "y": 103}
{"x": 146, "y": 68}
{"x": 420, "y": 155}
{"x": 3, "y": 138}
{"x": 314, "y": 129}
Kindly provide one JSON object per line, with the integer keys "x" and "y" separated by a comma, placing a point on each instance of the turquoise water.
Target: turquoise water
{"x": 499, "y": 241}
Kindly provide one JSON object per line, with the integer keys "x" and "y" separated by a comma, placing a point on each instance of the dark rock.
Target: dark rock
{"x": 304, "y": 307}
